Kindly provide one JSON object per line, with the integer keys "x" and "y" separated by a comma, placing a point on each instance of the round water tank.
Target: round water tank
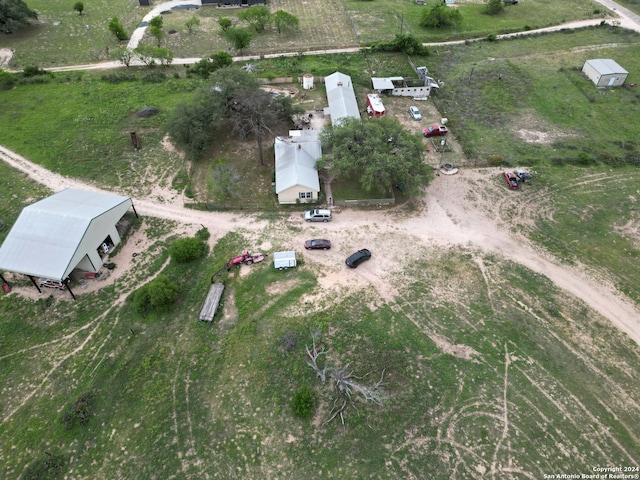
{"x": 307, "y": 81}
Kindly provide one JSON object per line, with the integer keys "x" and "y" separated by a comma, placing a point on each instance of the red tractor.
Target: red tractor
{"x": 245, "y": 258}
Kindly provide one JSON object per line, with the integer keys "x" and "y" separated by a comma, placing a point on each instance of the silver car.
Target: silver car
{"x": 415, "y": 113}
{"x": 317, "y": 215}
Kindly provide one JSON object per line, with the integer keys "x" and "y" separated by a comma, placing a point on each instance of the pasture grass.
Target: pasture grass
{"x": 177, "y": 396}
{"x": 323, "y": 25}
{"x": 547, "y": 115}
{"x": 547, "y": 385}
{"x": 80, "y": 125}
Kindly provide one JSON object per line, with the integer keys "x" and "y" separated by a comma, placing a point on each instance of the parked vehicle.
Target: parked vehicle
{"x": 245, "y": 258}
{"x": 512, "y": 180}
{"x": 435, "y": 130}
{"x": 317, "y": 244}
{"x": 47, "y": 282}
{"x": 284, "y": 260}
{"x": 357, "y": 258}
{"x": 317, "y": 215}
{"x": 522, "y": 175}
{"x": 415, "y": 112}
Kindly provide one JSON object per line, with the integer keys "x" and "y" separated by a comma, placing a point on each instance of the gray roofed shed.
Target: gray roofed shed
{"x": 59, "y": 233}
{"x": 604, "y": 72}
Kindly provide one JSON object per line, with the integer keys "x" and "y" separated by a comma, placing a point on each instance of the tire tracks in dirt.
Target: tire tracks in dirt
{"x": 449, "y": 220}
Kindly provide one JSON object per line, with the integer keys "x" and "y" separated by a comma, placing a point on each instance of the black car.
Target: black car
{"x": 357, "y": 258}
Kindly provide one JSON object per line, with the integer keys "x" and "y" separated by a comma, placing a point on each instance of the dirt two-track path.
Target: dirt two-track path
{"x": 447, "y": 220}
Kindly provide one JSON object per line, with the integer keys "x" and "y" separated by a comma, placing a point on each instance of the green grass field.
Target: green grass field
{"x": 174, "y": 397}
{"x": 323, "y": 25}
{"x": 490, "y": 371}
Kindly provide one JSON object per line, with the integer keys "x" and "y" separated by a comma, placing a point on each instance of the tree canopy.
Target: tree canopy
{"x": 117, "y": 29}
{"x": 285, "y": 22}
{"x": 235, "y": 95}
{"x": 155, "y": 28}
{"x": 207, "y": 66}
{"x": 257, "y": 112}
{"x": 15, "y": 14}
{"x": 257, "y": 17}
{"x": 440, "y": 16}
{"x": 78, "y": 7}
{"x": 240, "y": 38}
{"x": 380, "y": 152}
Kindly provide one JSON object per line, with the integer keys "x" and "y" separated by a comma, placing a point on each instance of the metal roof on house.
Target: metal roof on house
{"x": 341, "y": 98}
{"x": 295, "y": 158}
{"x": 606, "y": 66}
{"x": 47, "y": 234}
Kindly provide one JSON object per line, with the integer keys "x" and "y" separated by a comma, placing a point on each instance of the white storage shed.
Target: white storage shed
{"x": 604, "y": 72}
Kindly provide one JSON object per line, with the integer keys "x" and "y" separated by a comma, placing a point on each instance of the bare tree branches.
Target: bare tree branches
{"x": 314, "y": 353}
{"x": 345, "y": 380}
{"x": 346, "y": 384}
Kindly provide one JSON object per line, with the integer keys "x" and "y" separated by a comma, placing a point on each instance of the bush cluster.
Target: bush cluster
{"x": 118, "y": 77}
{"x": 186, "y": 250}
{"x": 80, "y": 412}
{"x": 302, "y": 402}
{"x": 158, "y": 295}
{"x": 154, "y": 77}
{"x": 46, "y": 468}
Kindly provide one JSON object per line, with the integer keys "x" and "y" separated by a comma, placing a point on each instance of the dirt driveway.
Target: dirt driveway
{"x": 451, "y": 213}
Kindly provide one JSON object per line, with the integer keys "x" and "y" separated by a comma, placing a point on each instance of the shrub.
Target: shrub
{"x": 7, "y": 80}
{"x": 302, "y": 402}
{"x": 154, "y": 77}
{"x": 45, "y": 468}
{"x": 158, "y": 295}
{"x": 80, "y": 412}
{"x": 493, "y": 7}
{"x": 402, "y": 43}
{"x": 187, "y": 249}
{"x": 203, "y": 234}
{"x": 440, "y": 16}
{"x": 495, "y": 161}
{"x": 34, "y": 71}
{"x": 118, "y": 77}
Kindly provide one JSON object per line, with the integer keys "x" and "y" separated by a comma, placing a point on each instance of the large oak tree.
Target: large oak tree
{"x": 380, "y": 152}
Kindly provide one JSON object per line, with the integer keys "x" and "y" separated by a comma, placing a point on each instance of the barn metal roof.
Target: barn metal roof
{"x": 341, "y": 97}
{"x": 47, "y": 233}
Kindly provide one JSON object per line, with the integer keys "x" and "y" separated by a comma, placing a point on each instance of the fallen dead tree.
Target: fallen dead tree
{"x": 346, "y": 382}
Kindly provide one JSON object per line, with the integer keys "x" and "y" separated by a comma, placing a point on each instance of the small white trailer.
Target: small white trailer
{"x": 283, "y": 260}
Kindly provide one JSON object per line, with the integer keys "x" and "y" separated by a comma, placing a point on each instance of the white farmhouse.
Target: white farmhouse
{"x": 296, "y": 173}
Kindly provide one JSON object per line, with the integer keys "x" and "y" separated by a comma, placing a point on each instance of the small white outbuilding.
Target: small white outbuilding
{"x": 604, "y": 72}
